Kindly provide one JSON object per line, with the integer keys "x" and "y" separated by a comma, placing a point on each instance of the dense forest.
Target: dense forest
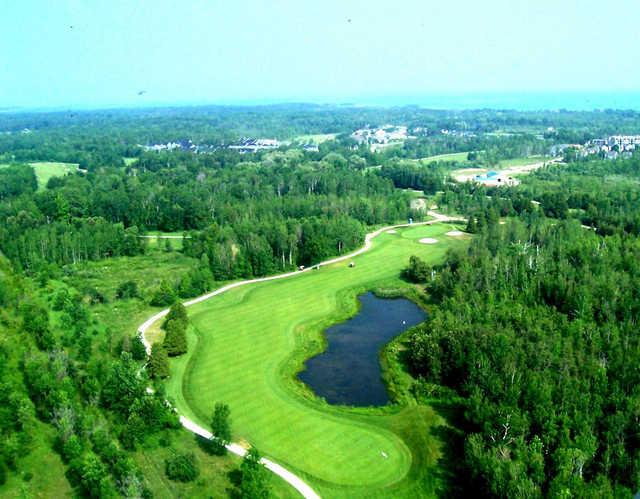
{"x": 534, "y": 332}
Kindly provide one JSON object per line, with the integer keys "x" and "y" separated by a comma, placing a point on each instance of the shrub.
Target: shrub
{"x": 128, "y": 289}
{"x": 182, "y": 467}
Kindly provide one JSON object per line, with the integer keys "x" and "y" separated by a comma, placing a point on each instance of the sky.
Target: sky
{"x": 92, "y": 54}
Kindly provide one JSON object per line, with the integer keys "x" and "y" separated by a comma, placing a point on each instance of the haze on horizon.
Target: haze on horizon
{"x": 104, "y": 54}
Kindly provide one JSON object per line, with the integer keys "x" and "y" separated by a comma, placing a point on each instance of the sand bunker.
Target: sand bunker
{"x": 392, "y": 231}
{"x": 454, "y": 233}
{"x": 428, "y": 240}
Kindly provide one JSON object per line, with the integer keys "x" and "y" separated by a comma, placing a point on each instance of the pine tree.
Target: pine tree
{"x": 177, "y": 312}
{"x": 138, "y": 351}
{"x": 175, "y": 340}
{"x": 159, "y": 362}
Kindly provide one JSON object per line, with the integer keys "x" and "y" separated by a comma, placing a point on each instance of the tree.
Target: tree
{"x": 138, "y": 351}
{"x": 177, "y": 312}
{"x": 254, "y": 479}
{"x": 175, "y": 340}
{"x": 175, "y": 325}
{"x": 221, "y": 427}
{"x": 418, "y": 270}
{"x": 163, "y": 295}
{"x": 168, "y": 247}
{"x": 159, "y": 362}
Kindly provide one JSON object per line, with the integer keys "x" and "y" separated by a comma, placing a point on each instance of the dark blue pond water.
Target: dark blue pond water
{"x": 348, "y": 372}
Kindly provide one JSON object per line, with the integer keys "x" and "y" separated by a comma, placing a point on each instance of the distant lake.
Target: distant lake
{"x": 348, "y": 372}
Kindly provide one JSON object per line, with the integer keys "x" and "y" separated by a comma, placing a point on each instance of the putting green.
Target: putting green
{"x": 248, "y": 343}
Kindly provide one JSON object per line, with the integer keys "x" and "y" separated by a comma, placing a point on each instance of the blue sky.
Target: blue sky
{"x": 98, "y": 54}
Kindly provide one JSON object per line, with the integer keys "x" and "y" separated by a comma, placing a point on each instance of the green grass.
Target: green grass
{"x": 246, "y": 345}
{"x": 44, "y": 465}
{"x": 506, "y": 163}
{"x": 216, "y": 472}
{"x": 456, "y": 156}
{"x": 124, "y": 316}
{"x": 46, "y": 169}
{"x": 317, "y": 138}
{"x": 154, "y": 243}
{"x": 129, "y": 161}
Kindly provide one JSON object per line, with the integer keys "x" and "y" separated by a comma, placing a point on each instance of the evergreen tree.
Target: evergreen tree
{"x": 175, "y": 340}
{"x": 177, "y": 312}
{"x": 159, "y": 362}
{"x": 138, "y": 352}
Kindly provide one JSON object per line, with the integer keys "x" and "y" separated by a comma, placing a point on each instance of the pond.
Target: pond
{"x": 348, "y": 372}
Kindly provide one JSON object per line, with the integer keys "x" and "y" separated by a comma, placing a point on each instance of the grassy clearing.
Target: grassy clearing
{"x": 172, "y": 239}
{"x": 124, "y": 316}
{"x": 456, "y": 156}
{"x": 47, "y": 169}
{"x": 246, "y": 345}
{"x": 508, "y": 163}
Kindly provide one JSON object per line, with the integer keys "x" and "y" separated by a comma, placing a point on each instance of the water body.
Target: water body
{"x": 348, "y": 372}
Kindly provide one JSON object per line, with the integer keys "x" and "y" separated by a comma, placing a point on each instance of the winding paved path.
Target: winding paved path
{"x": 289, "y": 477}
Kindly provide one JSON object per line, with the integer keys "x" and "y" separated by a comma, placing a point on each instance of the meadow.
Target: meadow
{"x": 246, "y": 346}
{"x": 455, "y": 156}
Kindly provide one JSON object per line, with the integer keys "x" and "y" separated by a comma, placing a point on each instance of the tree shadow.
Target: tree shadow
{"x": 453, "y": 475}
{"x": 210, "y": 446}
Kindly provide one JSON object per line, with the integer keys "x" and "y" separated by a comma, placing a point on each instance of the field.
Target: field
{"x": 160, "y": 240}
{"x": 317, "y": 138}
{"x": 455, "y": 156}
{"x": 245, "y": 346}
{"x": 46, "y": 169}
{"x": 509, "y": 163}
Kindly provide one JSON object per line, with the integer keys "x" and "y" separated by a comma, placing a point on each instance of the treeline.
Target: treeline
{"x": 257, "y": 218}
{"x": 67, "y": 243}
{"x": 248, "y": 249}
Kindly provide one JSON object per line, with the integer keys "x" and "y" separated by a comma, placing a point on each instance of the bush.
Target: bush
{"x": 182, "y": 467}
{"x": 128, "y": 289}
{"x": 94, "y": 296}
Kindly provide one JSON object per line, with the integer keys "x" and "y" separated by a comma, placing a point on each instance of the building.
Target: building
{"x": 494, "y": 179}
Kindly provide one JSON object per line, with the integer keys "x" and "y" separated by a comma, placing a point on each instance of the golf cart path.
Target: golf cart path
{"x": 289, "y": 477}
